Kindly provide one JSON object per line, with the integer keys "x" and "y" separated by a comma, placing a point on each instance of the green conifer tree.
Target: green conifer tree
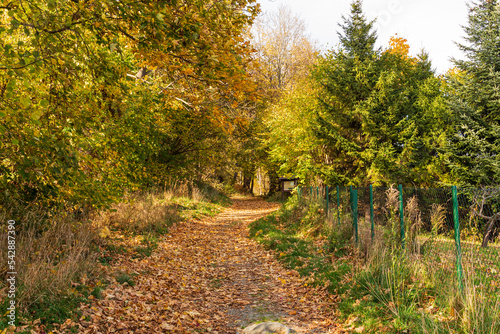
{"x": 378, "y": 110}
{"x": 346, "y": 77}
{"x": 472, "y": 153}
{"x": 357, "y": 38}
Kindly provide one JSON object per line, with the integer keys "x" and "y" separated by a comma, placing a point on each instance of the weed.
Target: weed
{"x": 97, "y": 292}
{"x": 438, "y": 218}
{"x": 216, "y": 283}
{"x": 391, "y": 210}
{"x": 413, "y": 223}
{"x": 123, "y": 278}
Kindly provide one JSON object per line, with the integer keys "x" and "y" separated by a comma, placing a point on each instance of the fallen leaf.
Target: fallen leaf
{"x": 105, "y": 232}
{"x": 165, "y": 325}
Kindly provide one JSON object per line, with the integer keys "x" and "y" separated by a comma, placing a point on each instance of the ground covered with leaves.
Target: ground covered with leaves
{"x": 206, "y": 276}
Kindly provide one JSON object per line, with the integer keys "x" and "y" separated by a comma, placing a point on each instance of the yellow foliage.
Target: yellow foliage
{"x": 399, "y": 46}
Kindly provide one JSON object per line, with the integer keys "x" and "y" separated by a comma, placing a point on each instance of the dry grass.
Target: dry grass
{"x": 392, "y": 201}
{"x": 480, "y": 313}
{"x": 438, "y": 218}
{"x": 50, "y": 254}
{"x": 140, "y": 213}
{"x": 391, "y": 210}
{"x": 152, "y": 211}
{"x": 413, "y": 221}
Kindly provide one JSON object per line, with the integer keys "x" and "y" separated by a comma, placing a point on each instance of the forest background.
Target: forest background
{"x": 99, "y": 99}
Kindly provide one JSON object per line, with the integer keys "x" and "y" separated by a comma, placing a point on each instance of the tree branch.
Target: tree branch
{"x": 489, "y": 229}
{"x": 127, "y": 35}
{"x": 20, "y": 67}
{"x": 7, "y": 6}
{"x": 491, "y": 220}
{"x": 51, "y": 31}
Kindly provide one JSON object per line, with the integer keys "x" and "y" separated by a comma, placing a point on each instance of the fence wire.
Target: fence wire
{"x": 466, "y": 246}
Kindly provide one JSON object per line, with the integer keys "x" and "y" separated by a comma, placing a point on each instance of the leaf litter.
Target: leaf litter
{"x": 207, "y": 276}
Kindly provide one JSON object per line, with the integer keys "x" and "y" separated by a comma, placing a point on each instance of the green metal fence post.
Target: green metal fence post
{"x": 350, "y": 198}
{"x": 460, "y": 273}
{"x": 311, "y": 192}
{"x": 298, "y": 193}
{"x": 317, "y": 192}
{"x": 371, "y": 213}
{"x": 338, "y": 204}
{"x": 401, "y": 216}
{"x": 354, "y": 198}
{"x": 327, "y": 201}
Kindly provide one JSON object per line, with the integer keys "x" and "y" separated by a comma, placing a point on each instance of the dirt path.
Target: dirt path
{"x": 207, "y": 277}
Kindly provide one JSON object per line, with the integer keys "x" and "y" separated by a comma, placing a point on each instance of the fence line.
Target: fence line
{"x": 425, "y": 222}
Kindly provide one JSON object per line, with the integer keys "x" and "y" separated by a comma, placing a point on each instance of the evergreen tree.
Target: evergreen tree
{"x": 346, "y": 77}
{"x": 403, "y": 120}
{"x": 380, "y": 112}
{"x": 357, "y": 38}
{"x": 472, "y": 153}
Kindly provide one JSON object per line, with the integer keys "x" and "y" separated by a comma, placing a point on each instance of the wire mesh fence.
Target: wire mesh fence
{"x": 452, "y": 232}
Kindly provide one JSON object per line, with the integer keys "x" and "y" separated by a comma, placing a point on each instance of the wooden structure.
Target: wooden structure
{"x": 287, "y": 185}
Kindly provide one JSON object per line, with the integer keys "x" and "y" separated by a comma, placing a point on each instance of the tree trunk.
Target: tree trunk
{"x": 489, "y": 230}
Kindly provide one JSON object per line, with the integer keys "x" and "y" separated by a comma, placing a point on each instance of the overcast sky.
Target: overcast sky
{"x": 433, "y": 25}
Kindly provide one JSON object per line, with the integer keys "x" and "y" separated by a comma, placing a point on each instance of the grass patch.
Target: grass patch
{"x": 123, "y": 278}
{"x": 49, "y": 310}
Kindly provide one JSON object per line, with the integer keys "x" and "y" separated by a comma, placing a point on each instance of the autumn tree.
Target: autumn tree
{"x": 101, "y": 96}
{"x": 285, "y": 53}
{"x": 283, "y": 57}
{"x": 290, "y": 139}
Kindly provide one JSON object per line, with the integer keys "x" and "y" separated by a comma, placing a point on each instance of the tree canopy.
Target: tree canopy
{"x": 97, "y": 96}
{"x": 100, "y": 97}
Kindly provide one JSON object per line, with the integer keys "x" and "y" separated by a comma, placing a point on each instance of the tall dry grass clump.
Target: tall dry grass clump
{"x": 140, "y": 212}
{"x": 438, "y": 221}
{"x": 413, "y": 222}
{"x": 438, "y": 218}
{"x": 51, "y": 253}
{"x": 391, "y": 210}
